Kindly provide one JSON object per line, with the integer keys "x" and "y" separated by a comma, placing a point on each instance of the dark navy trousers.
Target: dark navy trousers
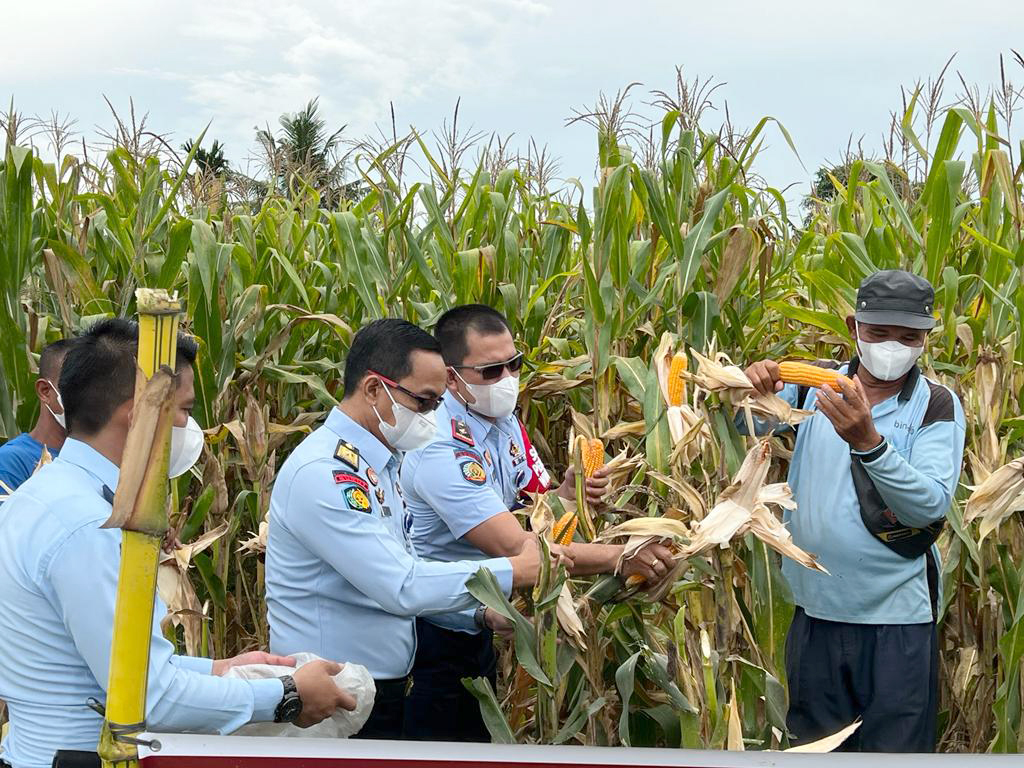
{"x": 439, "y": 708}
{"x": 884, "y": 674}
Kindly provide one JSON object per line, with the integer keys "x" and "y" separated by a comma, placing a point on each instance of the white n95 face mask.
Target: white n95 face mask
{"x": 186, "y": 447}
{"x": 496, "y": 400}
{"x": 412, "y": 430}
{"x": 887, "y": 360}
{"x": 60, "y": 418}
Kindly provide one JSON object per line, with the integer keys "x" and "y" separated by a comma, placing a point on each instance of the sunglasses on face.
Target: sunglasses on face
{"x": 493, "y": 371}
{"x": 423, "y": 404}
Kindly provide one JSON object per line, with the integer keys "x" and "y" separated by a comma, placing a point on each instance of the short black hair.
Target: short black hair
{"x": 51, "y": 357}
{"x": 98, "y": 374}
{"x": 455, "y": 324}
{"x": 385, "y": 346}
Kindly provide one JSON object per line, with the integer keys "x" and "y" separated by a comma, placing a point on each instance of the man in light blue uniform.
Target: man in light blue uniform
{"x": 58, "y": 578}
{"x": 873, "y": 474}
{"x": 20, "y": 455}
{"x": 342, "y": 577}
{"x": 461, "y": 489}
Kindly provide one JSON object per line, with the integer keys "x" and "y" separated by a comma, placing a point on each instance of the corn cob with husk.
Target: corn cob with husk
{"x": 807, "y": 375}
{"x": 688, "y": 430}
{"x": 588, "y": 457}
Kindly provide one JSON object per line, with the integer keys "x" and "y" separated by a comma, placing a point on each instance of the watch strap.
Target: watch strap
{"x": 479, "y": 617}
{"x": 875, "y": 453}
{"x": 289, "y": 699}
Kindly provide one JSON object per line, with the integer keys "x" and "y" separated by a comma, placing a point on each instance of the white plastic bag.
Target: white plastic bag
{"x": 353, "y": 678}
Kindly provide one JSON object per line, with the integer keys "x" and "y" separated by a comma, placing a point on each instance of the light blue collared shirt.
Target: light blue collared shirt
{"x": 452, "y": 486}
{"x": 916, "y": 476}
{"x": 343, "y": 581}
{"x": 58, "y": 578}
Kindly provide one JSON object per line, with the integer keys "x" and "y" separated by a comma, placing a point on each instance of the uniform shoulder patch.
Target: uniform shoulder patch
{"x": 348, "y": 454}
{"x": 356, "y": 498}
{"x": 473, "y": 472}
{"x": 460, "y": 432}
{"x": 344, "y": 477}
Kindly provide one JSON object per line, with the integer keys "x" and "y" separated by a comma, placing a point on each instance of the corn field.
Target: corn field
{"x": 679, "y": 247}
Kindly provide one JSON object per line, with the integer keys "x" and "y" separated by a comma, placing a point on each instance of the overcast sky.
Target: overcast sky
{"x": 826, "y": 70}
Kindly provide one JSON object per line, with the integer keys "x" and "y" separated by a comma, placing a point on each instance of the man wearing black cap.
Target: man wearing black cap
{"x": 873, "y": 473}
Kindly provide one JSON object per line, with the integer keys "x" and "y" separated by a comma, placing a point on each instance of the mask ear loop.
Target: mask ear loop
{"x": 464, "y": 401}
{"x": 391, "y": 398}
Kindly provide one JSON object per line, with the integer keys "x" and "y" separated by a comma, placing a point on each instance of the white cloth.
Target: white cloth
{"x": 353, "y": 678}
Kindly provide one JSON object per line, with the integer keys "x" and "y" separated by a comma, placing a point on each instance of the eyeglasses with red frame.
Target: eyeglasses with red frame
{"x": 423, "y": 404}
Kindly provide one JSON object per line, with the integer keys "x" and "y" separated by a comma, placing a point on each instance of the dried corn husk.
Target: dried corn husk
{"x": 569, "y": 619}
{"x": 774, "y": 409}
{"x": 621, "y": 467}
{"x": 624, "y": 429}
{"x": 829, "y": 743}
{"x": 175, "y": 588}
{"x": 689, "y": 431}
{"x": 542, "y": 519}
{"x": 998, "y": 497}
{"x": 721, "y": 376}
{"x": 734, "y": 741}
{"x": 148, "y": 438}
{"x": 743, "y": 506}
{"x": 257, "y": 542}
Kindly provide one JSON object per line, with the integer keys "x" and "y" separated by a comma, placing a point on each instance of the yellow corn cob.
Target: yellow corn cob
{"x": 676, "y": 384}
{"x": 810, "y": 375}
{"x": 564, "y": 529}
{"x": 593, "y": 456}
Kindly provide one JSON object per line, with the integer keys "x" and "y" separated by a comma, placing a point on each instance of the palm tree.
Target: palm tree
{"x": 209, "y": 162}
{"x": 303, "y": 151}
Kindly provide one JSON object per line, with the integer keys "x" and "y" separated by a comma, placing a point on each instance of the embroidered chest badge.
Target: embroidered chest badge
{"x": 473, "y": 472}
{"x": 356, "y": 498}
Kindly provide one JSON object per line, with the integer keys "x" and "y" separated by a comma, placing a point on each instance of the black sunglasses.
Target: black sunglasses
{"x": 492, "y": 371}
{"x": 423, "y": 404}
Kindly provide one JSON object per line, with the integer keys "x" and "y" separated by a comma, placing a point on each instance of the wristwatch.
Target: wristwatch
{"x": 290, "y": 708}
{"x": 480, "y": 617}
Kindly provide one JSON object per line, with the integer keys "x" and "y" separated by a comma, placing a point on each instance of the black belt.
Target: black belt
{"x": 71, "y": 758}
{"x": 393, "y": 687}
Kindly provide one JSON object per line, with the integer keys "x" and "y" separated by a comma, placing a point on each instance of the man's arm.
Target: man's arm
{"x": 178, "y": 697}
{"x": 359, "y": 546}
{"x": 919, "y": 489}
{"x": 193, "y": 663}
{"x": 503, "y": 532}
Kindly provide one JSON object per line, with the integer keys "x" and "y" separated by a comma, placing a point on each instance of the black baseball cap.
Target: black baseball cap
{"x": 896, "y": 297}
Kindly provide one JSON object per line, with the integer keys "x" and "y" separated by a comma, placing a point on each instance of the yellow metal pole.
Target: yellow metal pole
{"x": 143, "y": 529}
